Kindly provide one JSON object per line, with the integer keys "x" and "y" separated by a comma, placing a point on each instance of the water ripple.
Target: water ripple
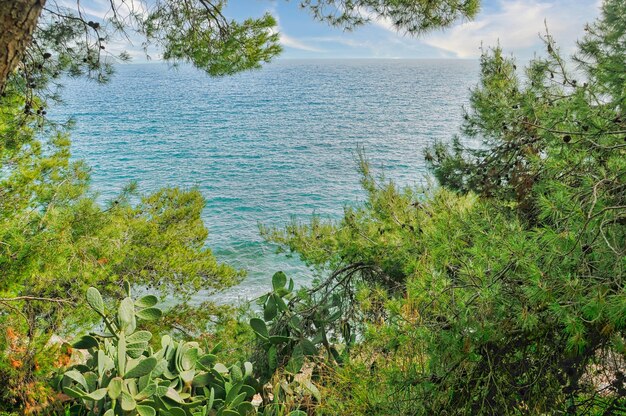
{"x": 265, "y": 145}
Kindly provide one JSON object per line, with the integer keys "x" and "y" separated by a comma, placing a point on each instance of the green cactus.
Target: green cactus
{"x": 280, "y": 333}
{"x": 124, "y": 376}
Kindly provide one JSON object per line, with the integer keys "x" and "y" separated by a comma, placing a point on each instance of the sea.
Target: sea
{"x": 265, "y": 146}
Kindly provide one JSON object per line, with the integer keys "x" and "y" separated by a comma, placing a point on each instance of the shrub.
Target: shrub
{"x": 124, "y": 375}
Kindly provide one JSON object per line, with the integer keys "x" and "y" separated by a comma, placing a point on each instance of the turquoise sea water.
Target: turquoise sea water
{"x": 265, "y": 145}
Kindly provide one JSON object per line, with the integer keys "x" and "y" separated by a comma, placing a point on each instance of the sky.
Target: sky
{"x": 514, "y": 24}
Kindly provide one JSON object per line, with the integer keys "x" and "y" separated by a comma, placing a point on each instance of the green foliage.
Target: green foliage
{"x": 124, "y": 375}
{"x": 195, "y": 31}
{"x": 410, "y": 16}
{"x": 246, "y": 45}
{"x": 56, "y": 240}
{"x": 501, "y": 292}
{"x": 529, "y": 132}
{"x": 296, "y": 325}
{"x": 283, "y": 341}
{"x": 485, "y": 311}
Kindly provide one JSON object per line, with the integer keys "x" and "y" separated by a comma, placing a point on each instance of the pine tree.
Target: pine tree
{"x": 42, "y": 40}
{"x": 502, "y": 291}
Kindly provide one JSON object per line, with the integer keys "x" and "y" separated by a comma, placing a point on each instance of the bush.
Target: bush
{"x": 124, "y": 375}
{"x": 56, "y": 240}
{"x": 501, "y": 292}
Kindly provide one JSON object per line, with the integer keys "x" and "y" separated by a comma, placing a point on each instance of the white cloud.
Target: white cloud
{"x": 346, "y": 41}
{"x": 290, "y": 42}
{"x": 102, "y": 9}
{"x": 516, "y": 25}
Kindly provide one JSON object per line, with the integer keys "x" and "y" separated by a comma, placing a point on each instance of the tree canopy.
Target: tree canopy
{"x": 56, "y": 238}
{"x": 48, "y": 38}
{"x": 498, "y": 291}
{"x": 502, "y": 291}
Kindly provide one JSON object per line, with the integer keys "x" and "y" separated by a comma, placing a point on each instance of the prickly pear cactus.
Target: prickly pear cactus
{"x": 124, "y": 376}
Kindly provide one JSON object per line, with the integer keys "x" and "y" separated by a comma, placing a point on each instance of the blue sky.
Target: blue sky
{"x": 515, "y": 24}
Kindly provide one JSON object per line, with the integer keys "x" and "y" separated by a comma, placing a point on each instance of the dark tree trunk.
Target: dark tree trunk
{"x": 18, "y": 19}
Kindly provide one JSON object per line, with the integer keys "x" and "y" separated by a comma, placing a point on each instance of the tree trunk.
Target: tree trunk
{"x": 18, "y": 19}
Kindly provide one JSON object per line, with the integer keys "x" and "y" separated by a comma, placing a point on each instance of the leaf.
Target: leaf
{"x": 97, "y": 395}
{"x": 246, "y": 409}
{"x": 94, "y": 299}
{"x": 308, "y": 348}
{"x": 297, "y": 413}
{"x": 161, "y": 391}
{"x": 121, "y": 354}
{"x": 101, "y": 357}
{"x": 294, "y": 365}
{"x": 207, "y": 361}
{"x": 296, "y": 361}
{"x": 187, "y": 376}
{"x": 160, "y": 368}
{"x": 233, "y": 391}
{"x": 249, "y": 390}
{"x": 166, "y": 340}
{"x": 248, "y": 369}
{"x": 147, "y": 392}
{"x": 202, "y": 380}
{"x": 235, "y": 402}
{"x": 295, "y": 323}
{"x": 139, "y": 336}
{"x": 136, "y": 352}
{"x": 142, "y": 368}
{"x": 313, "y": 389}
{"x": 177, "y": 411}
{"x": 335, "y": 315}
{"x": 258, "y": 326}
{"x": 279, "y": 339}
{"x": 128, "y": 402}
{"x": 280, "y": 303}
{"x": 127, "y": 287}
{"x": 168, "y": 374}
{"x": 235, "y": 373}
{"x": 190, "y": 357}
{"x": 211, "y": 398}
{"x": 221, "y": 368}
{"x": 336, "y": 355}
{"x": 217, "y": 348}
{"x": 279, "y": 280}
{"x": 131, "y": 385}
{"x": 115, "y": 387}
{"x": 145, "y": 410}
{"x": 85, "y": 342}
{"x": 136, "y": 345}
{"x": 150, "y": 314}
{"x": 272, "y": 358}
{"x": 92, "y": 380}
{"x": 270, "y": 310}
{"x": 173, "y": 394}
{"x": 146, "y": 301}
{"x": 126, "y": 315}
{"x": 77, "y": 377}
{"x": 75, "y": 393}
